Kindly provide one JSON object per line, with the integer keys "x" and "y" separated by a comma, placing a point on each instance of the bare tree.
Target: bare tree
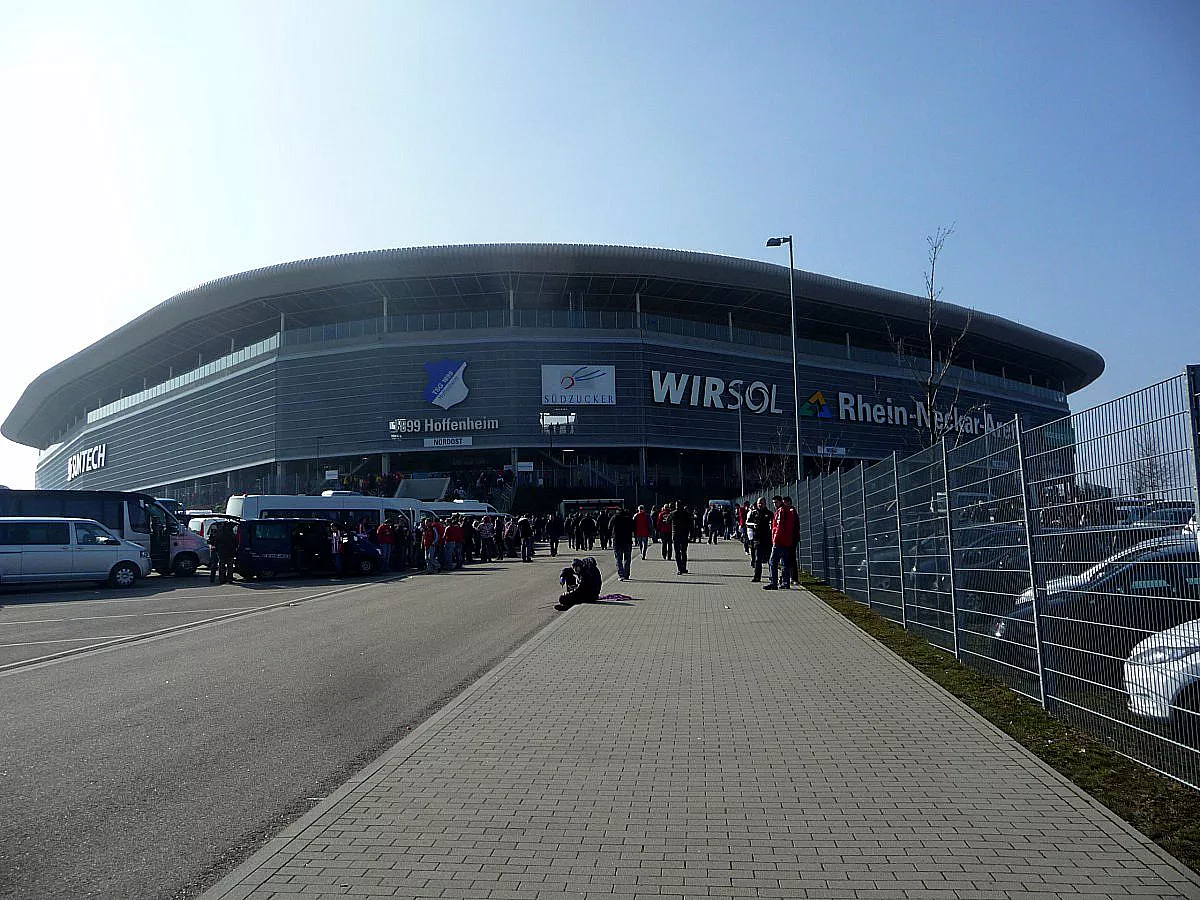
{"x": 929, "y": 363}
{"x": 777, "y": 466}
{"x": 1149, "y": 474}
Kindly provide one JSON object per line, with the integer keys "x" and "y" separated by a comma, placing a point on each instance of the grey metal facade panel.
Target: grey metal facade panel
{"x": 38, "y": 401}
{"x": 338, "y": 402}
{"x": 230, "y": 426}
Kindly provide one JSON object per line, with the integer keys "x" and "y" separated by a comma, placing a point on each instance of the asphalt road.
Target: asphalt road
{"x": 151, "y": 767}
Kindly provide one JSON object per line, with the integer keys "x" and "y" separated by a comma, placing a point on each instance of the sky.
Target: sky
{"x": 150, "y": 147}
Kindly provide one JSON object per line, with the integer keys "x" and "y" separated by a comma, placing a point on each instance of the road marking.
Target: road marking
{"x": 171, "y": 629}
{"x": 114, "y": 637}
{"x": 172, "y": 612}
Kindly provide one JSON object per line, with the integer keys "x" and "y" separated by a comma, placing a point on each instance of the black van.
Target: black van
{"x": 268, "y": 547}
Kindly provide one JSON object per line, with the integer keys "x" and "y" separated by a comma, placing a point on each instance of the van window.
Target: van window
{"x": 139, "y": 519}
{"x": 273, "y": 531}
{"x": 35, "y": 533}
{"x": 89, "y": 534}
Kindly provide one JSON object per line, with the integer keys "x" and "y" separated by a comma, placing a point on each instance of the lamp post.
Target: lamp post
{"x": 741, "y": 457}
{"x": 779, "y": 242}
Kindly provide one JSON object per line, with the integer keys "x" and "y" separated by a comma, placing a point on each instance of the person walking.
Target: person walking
{"x": 758, "y": 536}
{"x": 682, "y": 524}
{"x": 621, "y": 526}
{"x": 554, "y": 531}
{"x": 385, "y": 538}
{"x": 664, "y": 529}
{"x": 525, "y": 534}
{"x": 431, "y": 539}
{"x": 642, "y": 527}
{"x": 335, "y": 548}
{"x": 785, "y": 527}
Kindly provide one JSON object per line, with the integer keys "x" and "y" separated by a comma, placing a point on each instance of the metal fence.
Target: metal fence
{"x": 1062, "y": 559}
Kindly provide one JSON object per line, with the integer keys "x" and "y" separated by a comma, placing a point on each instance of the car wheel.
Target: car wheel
{"x": 366, "y": 566}
{"x": 265, "y": 574}
{"x": 124, "y": 575}
{"x": 186, "y": 565}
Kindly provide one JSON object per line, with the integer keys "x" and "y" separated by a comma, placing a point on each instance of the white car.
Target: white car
{"x": 1162, "y": 676}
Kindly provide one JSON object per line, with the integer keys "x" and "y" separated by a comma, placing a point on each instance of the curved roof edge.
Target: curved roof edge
{"x": 438, "y": 260}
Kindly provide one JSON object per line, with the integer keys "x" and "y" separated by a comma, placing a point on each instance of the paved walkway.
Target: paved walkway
{"x": 707, "y": 739}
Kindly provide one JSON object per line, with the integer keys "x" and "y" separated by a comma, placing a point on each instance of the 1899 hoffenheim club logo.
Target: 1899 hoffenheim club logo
{"x": 446, "y": 386}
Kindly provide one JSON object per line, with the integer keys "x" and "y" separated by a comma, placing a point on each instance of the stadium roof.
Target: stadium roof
{"x": 247, "y": 307}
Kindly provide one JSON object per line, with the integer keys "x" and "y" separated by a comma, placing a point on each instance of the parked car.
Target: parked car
{"x": 269, "y": 547}
{"x": 1162, "y": 677}
{"x": 66, "y": 549}
{"x": 1090, "y": 622}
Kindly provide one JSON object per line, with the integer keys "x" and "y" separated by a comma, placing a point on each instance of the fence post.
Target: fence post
{"x": 1037, "y": 585}
{"x": 862, "y": 471}
{"x": 950, "y": 545}
{"x": 899, "y": 539}
{"x": 1193, "y": 389}
{"x": 841, "y": 534}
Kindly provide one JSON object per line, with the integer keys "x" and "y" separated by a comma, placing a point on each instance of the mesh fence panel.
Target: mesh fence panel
{"x": 854, "y": 535}
{"x": 1117, "y": 574}
{"x": 816, "y": 512}
{"x": 804, "y": 549}
{"x": 884, "y": 585}
{"x": 1064, "y": 560}
{"x": 925, "y": 548}
{"x": 991, "y": 557}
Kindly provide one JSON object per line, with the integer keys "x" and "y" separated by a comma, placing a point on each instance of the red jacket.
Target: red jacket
{"x": 785, "y": 527}
{"x": 641, "y": 524}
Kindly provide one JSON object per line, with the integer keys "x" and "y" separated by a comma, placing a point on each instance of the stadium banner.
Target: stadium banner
{"x": 579, "y": 385}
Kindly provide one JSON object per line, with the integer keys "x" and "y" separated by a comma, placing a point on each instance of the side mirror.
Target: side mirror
{"x": 108, "y": 542}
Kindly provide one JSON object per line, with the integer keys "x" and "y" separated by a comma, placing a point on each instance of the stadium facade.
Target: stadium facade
{"x": 600, "y": 368}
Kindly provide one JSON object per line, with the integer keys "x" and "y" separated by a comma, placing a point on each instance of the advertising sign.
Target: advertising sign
{"x": 88, "y": 460}
{"x": 579, "y": 386}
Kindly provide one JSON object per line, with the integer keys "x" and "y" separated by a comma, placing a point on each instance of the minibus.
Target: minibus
{"x": 346, "y": 509}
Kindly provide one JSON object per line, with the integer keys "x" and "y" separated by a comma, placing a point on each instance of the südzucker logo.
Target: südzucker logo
{"x": 446, "y": 386}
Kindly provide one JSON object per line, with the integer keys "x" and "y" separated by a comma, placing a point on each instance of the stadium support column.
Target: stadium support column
{"x": 385, "y": 464}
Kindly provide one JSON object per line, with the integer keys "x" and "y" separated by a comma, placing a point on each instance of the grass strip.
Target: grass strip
{"x": 1163, "y": 809}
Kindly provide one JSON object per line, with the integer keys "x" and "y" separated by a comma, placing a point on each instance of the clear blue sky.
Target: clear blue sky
{"x": 152, "y": 146}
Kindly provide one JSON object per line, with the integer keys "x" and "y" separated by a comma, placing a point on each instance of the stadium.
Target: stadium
{"x": 565, "y": 370}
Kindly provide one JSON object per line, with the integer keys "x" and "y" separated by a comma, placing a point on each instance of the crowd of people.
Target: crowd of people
{"x": 769, "y": 536}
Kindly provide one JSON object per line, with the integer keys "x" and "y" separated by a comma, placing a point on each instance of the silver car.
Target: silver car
{"x": 1162, "y": 676}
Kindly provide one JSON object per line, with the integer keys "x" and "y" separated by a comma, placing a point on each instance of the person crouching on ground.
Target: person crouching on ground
{"x": 582, "y": 583}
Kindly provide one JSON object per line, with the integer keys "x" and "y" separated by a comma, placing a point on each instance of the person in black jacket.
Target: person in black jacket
{"x": 682, "y": 523}
{"x": 582, "y": 581}
{"x": 622, "y": 541}
{"x": 758, "y": 535}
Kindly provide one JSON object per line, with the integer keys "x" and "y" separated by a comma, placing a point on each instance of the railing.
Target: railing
{"x": 1063, "y": 559}
{"x": 596, "y": 319}
{"x": 217, "y": 365}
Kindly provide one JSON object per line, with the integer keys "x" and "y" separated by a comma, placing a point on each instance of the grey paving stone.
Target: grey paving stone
{"x": 707, "y": 740}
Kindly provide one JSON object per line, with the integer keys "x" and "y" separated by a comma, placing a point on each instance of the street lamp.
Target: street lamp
{"x": 779, "y": 242}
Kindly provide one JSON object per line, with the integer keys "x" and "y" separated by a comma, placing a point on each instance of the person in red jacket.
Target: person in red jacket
{"x": 664, "y": 529}
{"x": 641, "y": 529}
{"x": 785, "y": 528}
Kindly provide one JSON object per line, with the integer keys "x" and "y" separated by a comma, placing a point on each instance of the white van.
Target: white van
{"x": 61, "y": 549}
{"x": 445, "y": 508}
{"x": 347, "y": 509}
